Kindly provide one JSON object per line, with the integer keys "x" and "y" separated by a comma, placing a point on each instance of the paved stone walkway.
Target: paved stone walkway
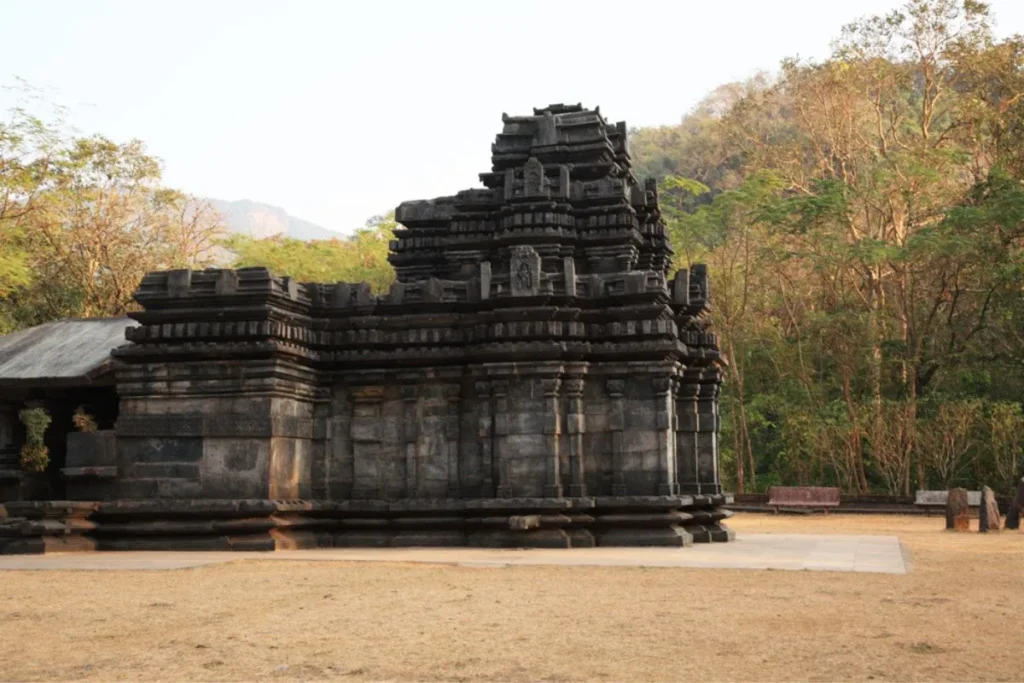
{"x": 878, "y": 554}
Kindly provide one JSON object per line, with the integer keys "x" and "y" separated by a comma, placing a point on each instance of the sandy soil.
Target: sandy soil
{"x": 955, "y": 617}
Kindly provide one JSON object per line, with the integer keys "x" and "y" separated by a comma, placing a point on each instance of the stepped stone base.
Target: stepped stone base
{"x": 66, "y": 526}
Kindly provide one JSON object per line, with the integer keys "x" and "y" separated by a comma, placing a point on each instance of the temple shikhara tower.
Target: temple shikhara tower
{"x": 534, "y": 377}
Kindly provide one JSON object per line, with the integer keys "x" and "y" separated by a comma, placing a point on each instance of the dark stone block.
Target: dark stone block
{"x": 158, "y": 470}
{"x": 164, "y": 543}
{"x": 91, "y": 449}
{"x": 428, "y": 538}
{"x": 178, "y": 488}
{"x": 255, "y": 543}
{"x": 248, "y": 525}
{"x": 23, "y": 546}
{"x": 673, "y": 536}
{"x": 580, "y": 538}
{"x": 504, "y": 538}
{"x": 160, "y": 449}
{"x": 290, "y": 539}
{"x": 241, "y": 460}
{"x": 159, "y": 527}
{"x": 362, "y": 539}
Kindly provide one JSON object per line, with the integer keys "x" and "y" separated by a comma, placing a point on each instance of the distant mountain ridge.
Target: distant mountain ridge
{"x": 246, "y": 217}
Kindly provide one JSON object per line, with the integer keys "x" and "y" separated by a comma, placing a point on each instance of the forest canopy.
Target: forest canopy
{"x": 861, "y": 217}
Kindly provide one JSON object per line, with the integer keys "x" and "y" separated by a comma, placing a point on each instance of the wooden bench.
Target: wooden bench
{"x": 936, "y": 500}
{"x": 823, "y": 497}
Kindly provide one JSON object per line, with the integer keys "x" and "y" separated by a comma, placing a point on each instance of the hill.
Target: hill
{"x": 256, "y": 219}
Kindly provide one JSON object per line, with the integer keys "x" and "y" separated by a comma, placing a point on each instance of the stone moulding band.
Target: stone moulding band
{"x": 674, "y": 521}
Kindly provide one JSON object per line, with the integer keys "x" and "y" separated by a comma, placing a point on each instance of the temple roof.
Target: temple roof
{"x": 73, "y": 352}
{"x": 561, "y": 182}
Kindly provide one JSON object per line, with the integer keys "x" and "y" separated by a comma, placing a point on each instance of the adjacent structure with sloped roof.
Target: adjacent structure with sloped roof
{"x": 59, "y": 366}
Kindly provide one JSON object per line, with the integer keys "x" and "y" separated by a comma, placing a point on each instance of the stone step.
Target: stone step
{"x": 164, "y": 487}
{"x": 166, "y": 470}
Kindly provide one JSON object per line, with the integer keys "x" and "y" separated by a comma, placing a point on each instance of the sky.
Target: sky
{"x": 337, "y": 110}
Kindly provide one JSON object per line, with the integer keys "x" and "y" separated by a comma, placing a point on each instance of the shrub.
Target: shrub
{"x": 35, "y": 456}
{"x": 83, "y": 421}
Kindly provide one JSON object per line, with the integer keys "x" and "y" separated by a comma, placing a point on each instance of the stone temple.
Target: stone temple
{"x": 532, "y": 378}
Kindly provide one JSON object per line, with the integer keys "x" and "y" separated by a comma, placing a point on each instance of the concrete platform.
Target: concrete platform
{"x": 876, "y": 554}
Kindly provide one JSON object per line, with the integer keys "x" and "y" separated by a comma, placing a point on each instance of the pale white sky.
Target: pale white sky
{"x": 338, "y": 110}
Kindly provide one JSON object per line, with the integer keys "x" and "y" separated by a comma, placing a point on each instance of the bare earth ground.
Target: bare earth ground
{"x": 955, "y": 617}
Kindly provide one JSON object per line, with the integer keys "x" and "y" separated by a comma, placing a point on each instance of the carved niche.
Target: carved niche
{"x": 524, "y": 271}
{"x": 534, "y": 181}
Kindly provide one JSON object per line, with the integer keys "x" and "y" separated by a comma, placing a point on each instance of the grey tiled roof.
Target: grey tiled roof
{"x": 65, "y": 352}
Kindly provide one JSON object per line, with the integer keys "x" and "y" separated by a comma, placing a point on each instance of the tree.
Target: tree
{"x": 360, "y": 258}
{"x": 82, "y": 219}
{"x": 879, "y": 270}
{"x": 28, "y": 146}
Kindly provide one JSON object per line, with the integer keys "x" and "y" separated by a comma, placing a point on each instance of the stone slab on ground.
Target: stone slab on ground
{"x": 875, "y": 554}
{"x": 988, "y": 518}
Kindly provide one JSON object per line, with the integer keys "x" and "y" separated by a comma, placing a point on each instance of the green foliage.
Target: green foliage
{"x": 863, "y": 223}
{"x": 82, "y": 219}
{"x": 35, "y": 456}
{"x": 360, "y": 258}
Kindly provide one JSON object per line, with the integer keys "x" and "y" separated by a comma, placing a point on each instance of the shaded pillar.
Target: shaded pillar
{"x": 707, "y": 431}
{"x": 575, "y": 425}
{"x": 616, "y": 424}
{"x": 552, "y": 432}
{"x": 366, "y": 439}
{"x": 453, "y": 398}
{"x": 664, "y": 420}
{"x": 485, "y": 435}
{"x": 499, "y": 392}
{"x": 410, "y": 437}
{"x": 686, "y": 431}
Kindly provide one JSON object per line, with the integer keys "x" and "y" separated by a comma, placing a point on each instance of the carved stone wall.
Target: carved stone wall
{"x": 533, "y": 363}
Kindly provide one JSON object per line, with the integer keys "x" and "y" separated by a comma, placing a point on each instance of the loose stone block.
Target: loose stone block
{"x": 988, "y": 517}
{"x": 957, "y": 514}
{"x": 1016, "y": 508}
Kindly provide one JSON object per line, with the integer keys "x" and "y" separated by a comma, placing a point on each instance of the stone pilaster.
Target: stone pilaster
{"x": 410, "y": 437}
{"x": 485, "y": 434}
{"x": 552, "y": 434}
{"x": 453, "y": 395}
{"x": 707, "y": 431}
{"x": 366, "y": 441}
{"x": 575, "y": 425}
{"x": 499, "y": 391}
{"x": 616, "y": 425}
{"x": 664, "y": 406}
{"x": 686, "y": 431}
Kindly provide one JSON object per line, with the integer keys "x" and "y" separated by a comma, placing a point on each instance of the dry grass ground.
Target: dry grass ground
{"x": 955, "y": 617}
